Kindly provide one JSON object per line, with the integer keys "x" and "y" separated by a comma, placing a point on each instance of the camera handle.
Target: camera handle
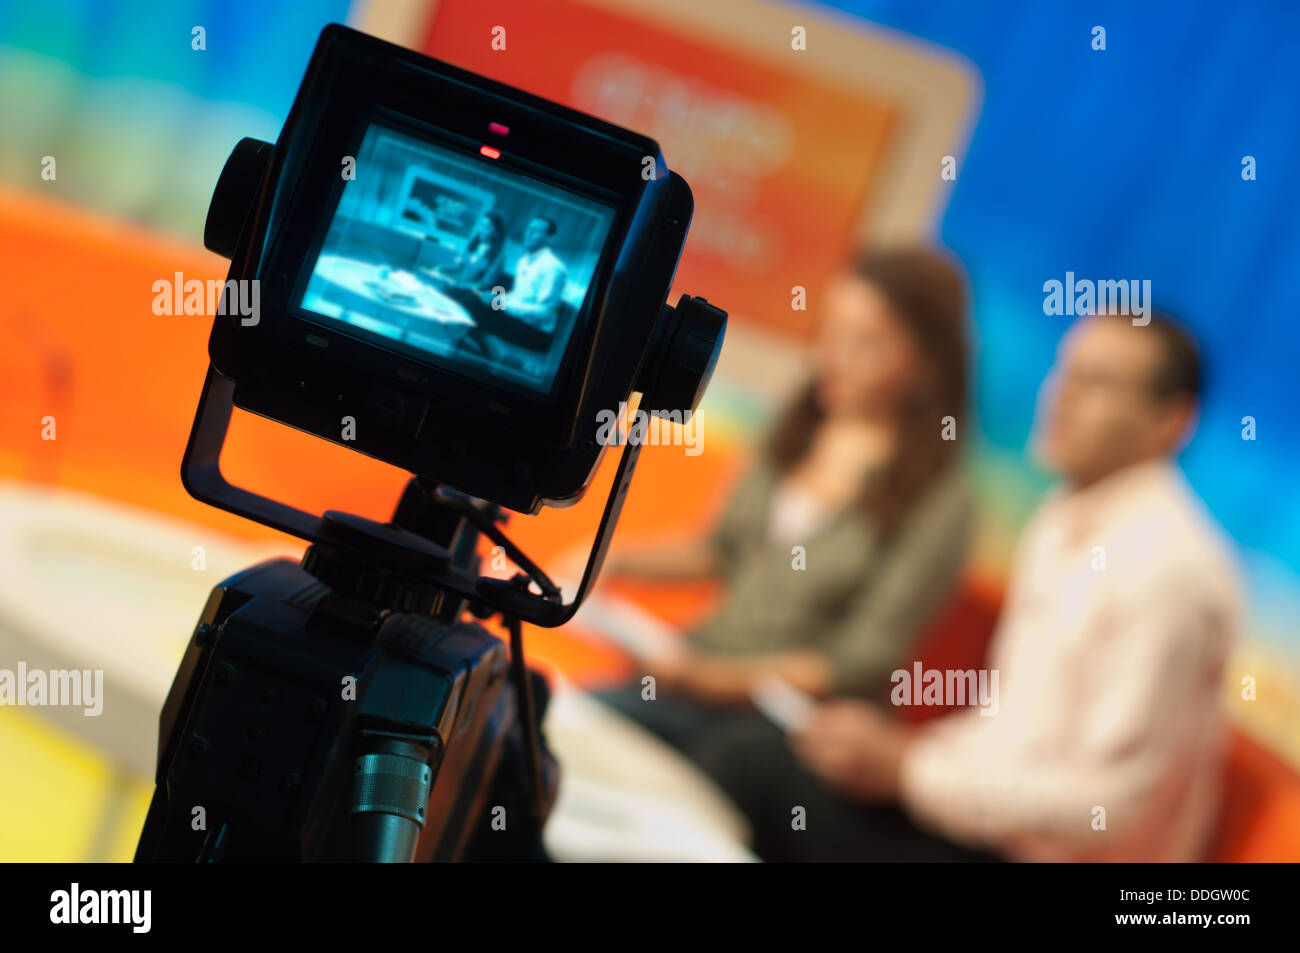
{"x": 402, "y": 544}
{"x": 202, "y": 477}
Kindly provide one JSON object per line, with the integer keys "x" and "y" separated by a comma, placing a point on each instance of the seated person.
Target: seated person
{"x": 858, "y": 477}
{"x": 479, "y": 263}
{"x": 1121, "y": 609}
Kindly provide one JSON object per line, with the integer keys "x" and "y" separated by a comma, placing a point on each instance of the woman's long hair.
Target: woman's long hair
{"x": 927, "y": 296}
{"x": 496, "y": 243}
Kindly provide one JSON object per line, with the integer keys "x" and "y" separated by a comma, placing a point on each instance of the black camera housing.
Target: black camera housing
{"x": 520, "y": 449}
{"x": 405, "y": 769}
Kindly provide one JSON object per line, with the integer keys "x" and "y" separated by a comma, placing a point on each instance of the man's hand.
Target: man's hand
{"x": 854, "y": 748}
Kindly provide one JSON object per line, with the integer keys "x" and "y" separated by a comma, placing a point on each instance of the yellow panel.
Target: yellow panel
{"x": 49, "y": 809}
{"x": 122, "y": 844}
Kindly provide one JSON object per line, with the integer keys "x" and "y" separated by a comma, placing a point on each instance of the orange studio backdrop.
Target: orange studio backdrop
{"x": 793, "y": 158}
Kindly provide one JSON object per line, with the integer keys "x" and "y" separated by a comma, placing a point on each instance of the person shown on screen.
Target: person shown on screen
{"x": 1121, "y": 608}
{"x": 858, "y": 474}
{"x": 479, "y": 263}
{"x": 540, "y": 278}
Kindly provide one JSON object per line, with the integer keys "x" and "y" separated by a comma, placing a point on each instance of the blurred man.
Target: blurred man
{"x": 1120, "y": 612}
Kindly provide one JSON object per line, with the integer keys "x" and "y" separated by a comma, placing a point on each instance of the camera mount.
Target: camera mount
{"x": 686, "y": 364}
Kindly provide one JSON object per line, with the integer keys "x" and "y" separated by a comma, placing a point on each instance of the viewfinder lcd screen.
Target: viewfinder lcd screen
{"x": 459, "y": 257}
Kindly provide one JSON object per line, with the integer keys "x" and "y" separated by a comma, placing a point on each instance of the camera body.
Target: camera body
{"x": 392, "y": 162}
{"x": 456, "y": 278}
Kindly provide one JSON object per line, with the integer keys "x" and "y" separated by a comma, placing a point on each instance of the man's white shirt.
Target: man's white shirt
{"x": 1123, "y": 606}
{"x": 538, "y": 289}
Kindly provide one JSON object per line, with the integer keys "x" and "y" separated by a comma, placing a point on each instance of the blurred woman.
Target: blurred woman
{"x": 478, "y": 265}
{"x": 851, "y": 527}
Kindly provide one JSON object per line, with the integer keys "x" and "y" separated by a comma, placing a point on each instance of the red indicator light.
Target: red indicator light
{"x": 497, "y": 129}
{"x": 490, "y": 152}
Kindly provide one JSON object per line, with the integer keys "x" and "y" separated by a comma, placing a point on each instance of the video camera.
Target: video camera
{"x": 454, "y": 277}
